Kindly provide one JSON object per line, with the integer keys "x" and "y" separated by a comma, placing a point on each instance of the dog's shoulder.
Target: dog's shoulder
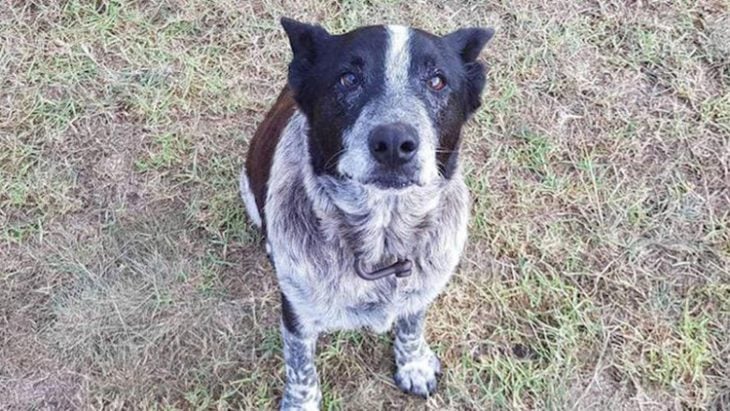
{"x": 262, "y": 146}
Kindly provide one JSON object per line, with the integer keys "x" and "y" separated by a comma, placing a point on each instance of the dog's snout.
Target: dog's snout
{"x": 393, "y": 144}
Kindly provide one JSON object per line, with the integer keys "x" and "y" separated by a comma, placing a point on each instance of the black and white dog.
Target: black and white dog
{"x": 354, "y": 178}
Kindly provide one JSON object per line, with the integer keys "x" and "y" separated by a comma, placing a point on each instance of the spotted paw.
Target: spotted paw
{"x": 289, "y": 404}
{"x": 301, "y": 398}
{"x": 419, "y": 376}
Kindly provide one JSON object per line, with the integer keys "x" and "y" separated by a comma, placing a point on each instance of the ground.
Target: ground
{"x": 598, "y": 270}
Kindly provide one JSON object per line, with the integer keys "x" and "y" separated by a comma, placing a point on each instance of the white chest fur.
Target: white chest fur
{"x": 316, "y": 228}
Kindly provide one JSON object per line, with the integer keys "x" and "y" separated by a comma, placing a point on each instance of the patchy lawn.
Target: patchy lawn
{"x": 598, "y": 273}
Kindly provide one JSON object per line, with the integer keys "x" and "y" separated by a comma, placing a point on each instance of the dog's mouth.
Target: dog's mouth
{"x": 384, "y": 180}
{"x": 391, "y": 182}
{"x": 393, "y": 179}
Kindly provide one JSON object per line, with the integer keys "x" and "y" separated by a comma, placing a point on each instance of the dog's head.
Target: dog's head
{"x": 385, "y": 104}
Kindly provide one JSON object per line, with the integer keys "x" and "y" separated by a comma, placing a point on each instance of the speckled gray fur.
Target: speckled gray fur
{"x": 318, "y": 226}
{"x": 315, "y": 228}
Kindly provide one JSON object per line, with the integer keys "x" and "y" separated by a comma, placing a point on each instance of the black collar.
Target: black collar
{"x": 401, "y": 268}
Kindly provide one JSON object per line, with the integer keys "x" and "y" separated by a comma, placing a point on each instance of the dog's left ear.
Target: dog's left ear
{"x": 469, "y": 43}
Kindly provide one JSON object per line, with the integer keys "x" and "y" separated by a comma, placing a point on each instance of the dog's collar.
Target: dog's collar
{"x": 401, "y": 268}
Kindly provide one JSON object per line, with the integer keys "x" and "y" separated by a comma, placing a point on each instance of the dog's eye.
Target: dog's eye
{"x": 349, "y": 81}
{"x": 436, "y": 82}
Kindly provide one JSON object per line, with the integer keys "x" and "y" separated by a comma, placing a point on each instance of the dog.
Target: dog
{"x": 354, "y": 179}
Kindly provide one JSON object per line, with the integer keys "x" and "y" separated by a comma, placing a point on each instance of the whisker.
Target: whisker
{"x": 333, "y": 157}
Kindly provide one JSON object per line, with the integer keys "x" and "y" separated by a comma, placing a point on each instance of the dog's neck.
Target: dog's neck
{"x": 379, "y": 226}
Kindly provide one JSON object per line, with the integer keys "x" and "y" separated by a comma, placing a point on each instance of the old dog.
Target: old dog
{"x": 354, "y": 179}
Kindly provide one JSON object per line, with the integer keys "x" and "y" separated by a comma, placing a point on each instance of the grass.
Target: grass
{"x": 598, "y": 268}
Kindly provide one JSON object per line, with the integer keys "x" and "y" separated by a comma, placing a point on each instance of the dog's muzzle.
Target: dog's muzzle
{"x": 394, "y": 147}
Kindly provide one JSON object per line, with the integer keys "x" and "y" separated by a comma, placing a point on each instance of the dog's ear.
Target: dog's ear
{"x": 468, "y": 43}
{"x": 306, "y": 42}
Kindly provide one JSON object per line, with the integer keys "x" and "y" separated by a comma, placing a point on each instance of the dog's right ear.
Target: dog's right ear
{"x": 306, "y": 42}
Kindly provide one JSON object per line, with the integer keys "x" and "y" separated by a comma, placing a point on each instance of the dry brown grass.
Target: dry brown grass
{"x": 598, "y": 275}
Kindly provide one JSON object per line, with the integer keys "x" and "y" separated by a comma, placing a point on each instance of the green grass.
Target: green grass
{"x": 598, "y": 268}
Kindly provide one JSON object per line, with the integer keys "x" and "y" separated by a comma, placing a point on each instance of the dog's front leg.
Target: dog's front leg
{"x": 302, "y": 385}
{"x": 417, "y": 366}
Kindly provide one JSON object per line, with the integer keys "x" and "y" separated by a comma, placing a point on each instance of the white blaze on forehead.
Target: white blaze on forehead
{"x": 397, "y": 105}
{"x": 398, "y": 57}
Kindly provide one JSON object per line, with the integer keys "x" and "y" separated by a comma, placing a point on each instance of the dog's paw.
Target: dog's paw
{"x": 300, "y": 398}
{"x": 299, "y": 406}
{"x": 419, "y": 376}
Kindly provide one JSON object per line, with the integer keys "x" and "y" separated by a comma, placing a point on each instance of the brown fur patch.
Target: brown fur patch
{"x": 263, "y": 145}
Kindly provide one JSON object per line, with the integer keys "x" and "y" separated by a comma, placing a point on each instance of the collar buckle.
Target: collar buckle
{"x": 401, "y": 268}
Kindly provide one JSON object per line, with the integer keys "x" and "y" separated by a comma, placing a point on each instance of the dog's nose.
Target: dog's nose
{"x": 393, "y": 144}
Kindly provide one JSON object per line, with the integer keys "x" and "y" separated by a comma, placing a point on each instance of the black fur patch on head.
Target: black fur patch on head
{"x": 334, "y": 76}
{"x": 454, "y": 58}
{"x": 316, "y": 73}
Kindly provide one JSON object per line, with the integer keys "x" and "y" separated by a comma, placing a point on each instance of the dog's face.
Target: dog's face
{"x": 385, "y": 104}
